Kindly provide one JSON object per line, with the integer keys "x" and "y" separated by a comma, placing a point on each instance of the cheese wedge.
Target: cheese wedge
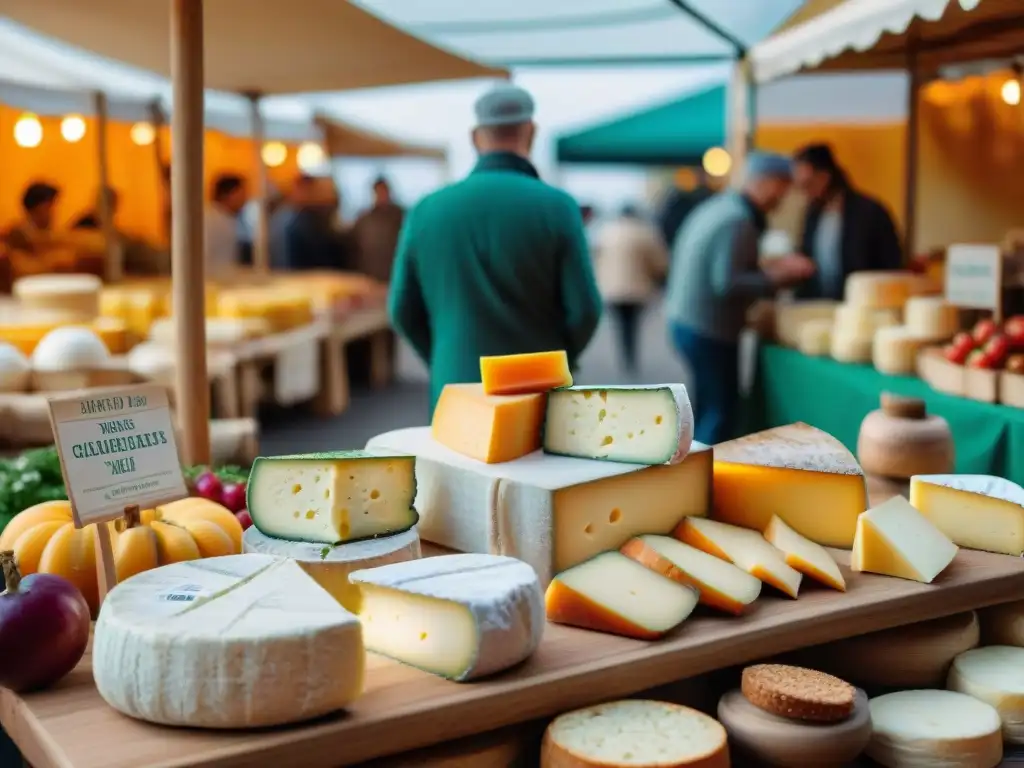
{"x": 803, "y": 475}
{"x": 521, "y": 374}
{"x": 995, "y": 675}
{"x": 641, "y": 425}
{"x": 894, "y": 539}
{"x": 743, "y": 548}
{"x": 974, "y": 511}
{"x": 614, "y": 594}
{"x": 804, "y": 555}
{"x": 488, "y": 428}
{"x": 721, "y": 584}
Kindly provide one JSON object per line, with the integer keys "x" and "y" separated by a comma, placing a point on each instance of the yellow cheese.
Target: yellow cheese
{"x": 883, "y": 290}
{"x": 531, "y": 372}
{"x": 113, "y": 333}
{"x": 282, "y": 310}
{"x": 137, "y": 307}
{"x": 26, "y": 336}
{"x": 894, "y": 539}
{"x": 488, "y": 428}
{"x": 974, "y": 511}
{"x": 795, "y": 472}
{"x": 804, "y": 555}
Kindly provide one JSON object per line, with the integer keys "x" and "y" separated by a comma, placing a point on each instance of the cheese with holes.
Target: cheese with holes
{"x": 530, "y": 372}
{"x": 883, "y": 290}
{"x": 332, "y": 497}
{"x": 804, "y": 555}
{"x": 815, "y": 338}
{"x": 922, "y": 729}
{"x": 721, "y": 585}
{"x": 795, "y": 472}
{"x": 743, "y": 548}
{"x": 330, "y": 565}
{"x": 244, "y": 641}
{"x": 488, "y": 428}
{"x": 615, "y": 594}
{"x": 635, "y": 424}
{"x": 894, "y": 539}
{"x": 895, "y": 349}
{"x": 74, "y": 298}
{"x": 549, "y": 511}
{"x": 1003, "y": 624}
{"x": 995, "y": 675}
{"x": 458, "y": 616}
{"x": 975, "y": 511}
{"x": 930, "y": 317}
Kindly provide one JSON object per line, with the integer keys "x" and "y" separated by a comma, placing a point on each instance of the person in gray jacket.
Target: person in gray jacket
{"x": 714, "y": 278}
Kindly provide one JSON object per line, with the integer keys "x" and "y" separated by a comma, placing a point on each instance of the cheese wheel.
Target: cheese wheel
{"x": 890, "y": 446}
{"x": 70, "y": 349}
{"x": 1003, "y": 624}
{"x": 854, "y": 320}
{"x": 851, "y": 349}
{"x": 73, "y": 297}
{"x": 926, "y": 728}
{"x": 894, "y": 350}
{"x": 815, "y": 338}
{"x": 15, "y": 370}
{"x": 931, "y": 318}
{"x": 790, "y": 316}
{"x": 883, "y": 290}
{"x": 330, "y": 566}
{"x": 995, "y": 675}
{"x": 786, "y": 743}
{"x": 635, "y": 733}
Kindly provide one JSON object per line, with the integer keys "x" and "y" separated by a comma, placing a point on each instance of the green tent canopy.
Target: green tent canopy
{"x": 676, "y": 133}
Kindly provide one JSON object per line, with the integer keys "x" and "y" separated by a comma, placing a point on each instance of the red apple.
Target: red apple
{"x": 964, "y": 340}
{"x": 1014, "y": 330}
{"x": 244, "y": 519}
{"x": 232, "y": 496}
{"x": 984, "y": 330}
{"x": 978, "y": 359}
{"x": 996, "y": 350}
{"x": 955, "y": 354}
{"x": 208, "y": 486}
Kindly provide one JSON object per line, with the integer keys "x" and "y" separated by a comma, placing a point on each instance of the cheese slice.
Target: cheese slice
{"x": 721, "y": 585}
{"x": 635, "y": 733}
{"x": 330, "y": 565}
{"x": 641, "y": 425}
{"x": 615, "y": 594}
{"x": 488, "y": 428}
{"x": 552, "y": 512}
{"x": 743, "y": 548}
{"x": 519, "y": 374}
{"x": 458, "y": 616}
{"x": 994, "y": 675}
{"x": 332, "y": 497}
{"x": 894, "y": 539}
{"x": 932, "y": 728}
{"x": 974, "y": 511}
{"x": 803, "y": 475}
{"x": 1003, "y": 624}
{"x": 804, "y": 555}
{"x": 243, "y": 641}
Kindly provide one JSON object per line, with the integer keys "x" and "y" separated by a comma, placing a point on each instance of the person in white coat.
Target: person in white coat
{"x": 630, "y": 261}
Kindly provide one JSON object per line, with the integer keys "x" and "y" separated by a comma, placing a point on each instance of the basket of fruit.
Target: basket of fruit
{"x": 977, "y": 364}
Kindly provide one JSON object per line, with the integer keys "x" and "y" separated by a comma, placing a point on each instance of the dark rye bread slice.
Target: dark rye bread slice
{"x": 798, "y": 693}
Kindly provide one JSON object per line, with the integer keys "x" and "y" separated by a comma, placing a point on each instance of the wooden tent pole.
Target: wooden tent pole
{"x": 261, "y": 235}
{"x": 913, "y": 155}
{"x": 157, "y": 119}
{"x": 113, "y": 266}
{"x": 187, "y": 247}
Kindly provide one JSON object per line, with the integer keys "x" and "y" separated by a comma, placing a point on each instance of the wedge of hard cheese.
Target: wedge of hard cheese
{"x": 804, "y": 555}
{"x": 519, "y": 374}
{"x": 894, "y": 539}
{"x": 974, "y": 511}
{"x": 488, "y": 428}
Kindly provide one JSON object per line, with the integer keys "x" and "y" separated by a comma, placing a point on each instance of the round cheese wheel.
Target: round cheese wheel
{"x": 931, "y": 318}
{"x": 787, "y": 743}
{"x": 851, "y": 349}
{"x": 925, "y": 728}
{"x": 894, "y": 350}
{"x": 636, "y": 733}
{"x": 893, "y": 446}
{"x": 70, "y": 349}
{"x": 995, "y": 675}
{"x": 815, "y": 338}
{"x": 1003, "y": 624}
{"x": 330, "y": 566}
{"x": 854, "y": 320}
{"x": 883, "y": 290}
{"x": 15, "y": 369}
{"x": 74, "y": 297}
{"x": 151, "y": 360}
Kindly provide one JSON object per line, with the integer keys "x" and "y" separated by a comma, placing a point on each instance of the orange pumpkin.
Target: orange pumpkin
{"x": 44, "y": 539}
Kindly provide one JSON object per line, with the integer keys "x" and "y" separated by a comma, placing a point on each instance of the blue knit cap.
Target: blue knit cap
{"x": 760, "y": 164}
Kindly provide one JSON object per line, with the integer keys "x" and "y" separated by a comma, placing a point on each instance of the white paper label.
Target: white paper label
{"x": 184, "y": 593}
{"x": 974, "y": 276}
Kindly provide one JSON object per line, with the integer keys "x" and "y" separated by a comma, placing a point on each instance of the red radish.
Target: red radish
{"x": 44, "y": 628}
{"x": 244, "y": 518}
{"x": 208, "y": 486}
{"x": 233, "y": 496}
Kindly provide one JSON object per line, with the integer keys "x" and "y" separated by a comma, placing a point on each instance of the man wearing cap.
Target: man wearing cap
{"x": 496, "y": 263}
{"x": 715, "y": 277}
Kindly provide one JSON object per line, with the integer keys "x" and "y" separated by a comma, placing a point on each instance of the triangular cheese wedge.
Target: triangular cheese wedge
{"x": 803, "y": 475}
{"x": 804, "y": 555}
{"x": 894, "y": 539}
{"x": 974, "y": 511}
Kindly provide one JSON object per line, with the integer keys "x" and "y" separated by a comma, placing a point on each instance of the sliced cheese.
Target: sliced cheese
{"x": 530, "y": 372}
{"x": 488, "y": 428}
{"x": 641, "y": 425}
{"x": 721, "y": 584}
{"x": 1003, "y": 624}
{"x": 894, "y": 539}
{"x": 894, "y": 350}
{"x": 804, "y": 555}
{"x": 552, "y": 512}
{"x": 975, "y": 511}
{"x": 330, "y": 565}
{"x": 994, "y": 675}
{"x": 795, "y": 472}
{"x": 459, "y": 616}
{"x": 815, "y": 338}
{"x": 332, "y": 497}
{"x": 931, "y": 317}
{"x": 243, "y": 641}
{"x": 613, "y": 593}
{"x": 743, "y": 548}
{"x": 923, "y": 729}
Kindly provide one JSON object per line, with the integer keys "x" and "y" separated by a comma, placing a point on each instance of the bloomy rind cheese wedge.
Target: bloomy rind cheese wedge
{"x": 974, "y": 511}
{"x": 522, "y": 374}
{"x": 488, "y": 428}
{"x": 804, "y": 555}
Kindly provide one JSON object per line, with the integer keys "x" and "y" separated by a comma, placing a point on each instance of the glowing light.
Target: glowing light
{"x": 72, "y": 128}
{"x": 142, "y": 134}
{"x": 274, "y": 153}
{"x": 1011, "y": 92}
{"x": 28, "y": 131}
{"x": 717, "y": 162}
{"x": 309, "y": 157}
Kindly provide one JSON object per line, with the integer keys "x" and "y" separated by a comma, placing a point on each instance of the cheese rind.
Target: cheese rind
{"x": 332, "y": 497}
{"x": 488, "y": 428}
{"x": 458, "y": 616}
{"x": 640, "y": 425}
{"x": 994, "y": 675}
{"x": 804, "y": 555}
{"x": 894, "y": 539}
{"x": 520, "y": 374}
{"x": 974, "y": 511}
{"x": 242, "y": 641}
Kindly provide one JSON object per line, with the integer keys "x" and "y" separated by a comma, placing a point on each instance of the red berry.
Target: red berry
{"x": 233, "y": 496}
{"x": 244, "y": 519}
{"x": 208, "y": 486}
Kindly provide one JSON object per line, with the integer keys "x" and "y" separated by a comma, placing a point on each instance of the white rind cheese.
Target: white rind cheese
{"x": 930, "y": 317}
{"x": 635, "y": 424}
{"x": 974, "y": 511}
{"x": 815, "y": 338}
{"x": 894, "y": 350}
{"x": 244, "y": 641}
{"x": 995, "y": 675}
{"x": 457, "y": 616}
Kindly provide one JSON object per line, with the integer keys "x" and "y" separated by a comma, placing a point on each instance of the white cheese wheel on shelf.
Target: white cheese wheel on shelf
{"x": 1003, "y": 624}
{"x": 73, "y": 297}
{"x": 927, "y": 728}
{"x": 151, "y": 360}
{"x": 884, "y": 290}
{"x": 815, "y": 338}
{"x": 70, "y": 349}
{"x": 995, "y": 675}
{"x": 789, "y": 316}
{"x": 931, "y": 318}
{"x": 894, "y": 350}
{"x": 15, "y": 369}
{"x": 855, "y": 320}
{"x": 244, "y": 641}
{"x": 851, "y": 349}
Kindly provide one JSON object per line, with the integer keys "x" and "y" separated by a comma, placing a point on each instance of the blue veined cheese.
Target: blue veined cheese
{"x": 333, "y": 497}
{"x": 635, "y": 424}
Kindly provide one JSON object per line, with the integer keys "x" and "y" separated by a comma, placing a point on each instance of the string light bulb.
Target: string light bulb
{"x": 72, "y": 128}
{"x": 310, "y": 156}
{"x": 142, "y": 134}
{"x": 28, "y": 131}
{"x": 1010, "y": 92}
{"x": 717, "y": 162}
{"x": 274, "y": 153}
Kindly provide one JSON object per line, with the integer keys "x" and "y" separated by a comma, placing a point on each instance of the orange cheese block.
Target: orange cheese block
{"x": 519, "y": 374}
{"x": 489, "y": 428}
{"x": 804, "y": 555}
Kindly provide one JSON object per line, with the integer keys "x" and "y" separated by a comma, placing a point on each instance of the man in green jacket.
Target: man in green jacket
{"x": 495, "y": 264}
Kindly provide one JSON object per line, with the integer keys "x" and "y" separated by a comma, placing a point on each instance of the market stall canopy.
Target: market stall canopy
{"x": 254, "y": 46}
{"x": 345, "y": 140}
{"x": 879, "y": 34}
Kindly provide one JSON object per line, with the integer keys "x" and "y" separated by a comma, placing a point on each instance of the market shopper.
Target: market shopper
{"x": 496, "y": 263}
{"x": 715, "y": 276}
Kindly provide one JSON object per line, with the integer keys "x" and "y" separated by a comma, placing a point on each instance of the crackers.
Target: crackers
{"x": 798, "y": 693}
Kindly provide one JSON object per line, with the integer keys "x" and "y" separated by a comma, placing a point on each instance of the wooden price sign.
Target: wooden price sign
{"x": 974, "y": 278}
{"x": 117, "y": 451}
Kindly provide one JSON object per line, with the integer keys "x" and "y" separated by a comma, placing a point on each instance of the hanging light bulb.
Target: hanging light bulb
{"x": 1011, "y": 92}
{"x": 142, "y": 134}
{"x": 28, "y": 131}
{"x": 310, "y": 156}
{"x": 72, "y": 128}
{"x": 717, "y": 162}
{"x": 274, "y": 153}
